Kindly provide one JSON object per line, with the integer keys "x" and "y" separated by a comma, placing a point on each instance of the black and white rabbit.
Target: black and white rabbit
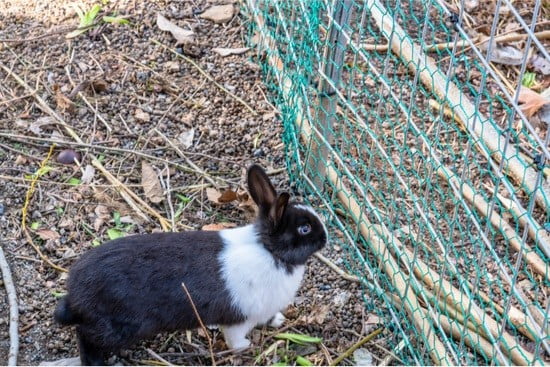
{"x": 131, "y": 289}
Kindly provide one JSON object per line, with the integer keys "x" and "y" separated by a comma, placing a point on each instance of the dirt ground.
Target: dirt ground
{"x": 135, "y": 105}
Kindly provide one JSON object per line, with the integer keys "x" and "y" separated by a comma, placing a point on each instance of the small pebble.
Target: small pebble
{"x": 2, "y": 209}
{"x": 258, "y": 153}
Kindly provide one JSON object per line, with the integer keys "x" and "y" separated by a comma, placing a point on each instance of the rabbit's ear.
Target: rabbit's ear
{"x": 276, "y": 212}
{"x": 261, "y": 189}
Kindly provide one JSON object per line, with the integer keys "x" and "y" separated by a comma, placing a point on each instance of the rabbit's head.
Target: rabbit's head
{"x": 291, "y": 231}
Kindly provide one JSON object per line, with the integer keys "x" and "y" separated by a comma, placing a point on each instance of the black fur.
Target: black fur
{"x": 130, "y": 289}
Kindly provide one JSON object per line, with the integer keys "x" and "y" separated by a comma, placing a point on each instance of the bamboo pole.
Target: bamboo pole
{"x": 460, "y": 301}
{"x": 532, "y": 258}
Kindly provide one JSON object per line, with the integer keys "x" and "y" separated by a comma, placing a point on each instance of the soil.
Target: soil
{"x": 131, "y": 101}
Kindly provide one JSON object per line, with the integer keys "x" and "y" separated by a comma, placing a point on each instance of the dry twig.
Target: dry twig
{"x": 25, "y": 208}
{"x": 196, "y": 66}
{"x": 203, "y": 327}
{"x": 335, "y": 268}
{"x": 129, "y": 196}
{"x": 349, "y": 352}
{"x": 14, "y": 309}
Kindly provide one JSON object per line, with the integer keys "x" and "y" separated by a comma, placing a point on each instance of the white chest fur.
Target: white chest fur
{"x": 258, "y": 287}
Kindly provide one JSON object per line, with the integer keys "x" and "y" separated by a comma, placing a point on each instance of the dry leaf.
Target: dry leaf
{"x": 172, "y": 66}
{"x": 318, "y": 314}
{"x": 219, "y": 13}
{"x": 142, "y": 116}
{"x": 20, "y": 160}
{"x": 151, "y": 184}
{"x": 102, "y": 215}
{"x": 99, "y": 85}
{"x": 186, "y": 138}
{"x": 88, "y": 174}
{"x": 373, "y": 320}
{"x": 227, "y": 196}
{"x": 182, "y": 36}
{"x": 506, "y": 55}
{"x": 471, "y": 4}
{"x": 62, "y": 101}
{"x": 532, "y": 101}
{"x": 230, "y": 51}
{"x": 66, "y": 222}
{"x": 36, "y": 126}
{"x": 47, "y": 234}
{"x": 541, "y": 64}
{"x": 218, "y": 226}
{"x": 218, "y": 197}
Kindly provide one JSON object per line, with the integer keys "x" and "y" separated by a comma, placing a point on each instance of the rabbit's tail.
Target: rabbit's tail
{"x": 64, "y": 314}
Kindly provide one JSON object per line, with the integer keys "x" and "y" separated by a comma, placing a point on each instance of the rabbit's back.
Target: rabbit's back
{"x": 133, "y": 286}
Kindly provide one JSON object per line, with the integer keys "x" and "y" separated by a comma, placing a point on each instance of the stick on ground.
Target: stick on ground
{"x": 14, "y": 309}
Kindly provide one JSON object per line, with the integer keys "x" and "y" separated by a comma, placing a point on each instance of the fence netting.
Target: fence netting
{"x": 420, "y": 129}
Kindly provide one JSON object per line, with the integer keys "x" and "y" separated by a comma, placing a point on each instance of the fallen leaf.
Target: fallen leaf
{"x": 218, "y": 197}
{"x": 99, "y": 85}
{"x": 247, "y": 204}
{"x": 219, "y": 13}
{"x": 20, "y": 160}
{"x": 66, "y": 222}
{"x": 506, "y": 55}
{"x": 182, "y": 36}
{"x": 471, "y": 4}
{"x": 102, "y": 215}
{"x": 318, "y": 314}
{"x": 47, "y": 234}
{"x": 218, "y": 226}
{"x": 531, "y": 101}
{"x": 541, "y": 64}
{"x": 372, "y": 320}
{"x": 142, "y": 116}
{"x": 88, "y": 174}
{"x": 172, "y": 66}
{"x": 151, "y": 184}
{"x": 186, "y": 138}
{"x": 362, "y": 357}
{"x": 268, "y": 116}
{"x": 230, "y": 51}
{"x": 212, "y": 194}
{"x": 63, "y": 102}
{"x": 36, "y": 126}
{"x": 227, "y": 196}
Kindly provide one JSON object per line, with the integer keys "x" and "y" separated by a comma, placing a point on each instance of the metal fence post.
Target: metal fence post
{"x": 329, "y": 81}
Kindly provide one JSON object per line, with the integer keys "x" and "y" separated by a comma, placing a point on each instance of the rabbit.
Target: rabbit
{"x": 130, "y": 289}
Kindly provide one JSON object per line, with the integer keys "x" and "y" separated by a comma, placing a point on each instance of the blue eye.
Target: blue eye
{"x": 304, "y": 229}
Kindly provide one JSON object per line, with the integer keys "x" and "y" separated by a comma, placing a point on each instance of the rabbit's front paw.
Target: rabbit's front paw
{"x": 235, "y": 335}
{"x": 277, "y": 320}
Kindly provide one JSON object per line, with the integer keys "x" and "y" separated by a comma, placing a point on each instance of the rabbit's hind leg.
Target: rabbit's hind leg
{"x": 90, "y": 354}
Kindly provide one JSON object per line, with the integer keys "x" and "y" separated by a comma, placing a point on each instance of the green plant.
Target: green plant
{"x": 87, "y": 19}
{"x": 529, "y": 79}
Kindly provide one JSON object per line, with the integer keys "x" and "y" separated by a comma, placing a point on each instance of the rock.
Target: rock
{"x": 219, "y": 13}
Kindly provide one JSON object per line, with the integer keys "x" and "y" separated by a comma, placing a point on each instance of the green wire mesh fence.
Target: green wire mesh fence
{"x": 405, "y": 128}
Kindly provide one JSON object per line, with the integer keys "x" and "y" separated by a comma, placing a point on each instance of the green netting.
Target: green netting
{"x": 430, "y": 180}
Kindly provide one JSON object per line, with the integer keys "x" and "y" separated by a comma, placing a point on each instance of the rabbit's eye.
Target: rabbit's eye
{"x": 304, "y": 229}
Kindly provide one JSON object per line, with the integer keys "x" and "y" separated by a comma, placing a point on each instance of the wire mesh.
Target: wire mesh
{"x": 407, "y": 130}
